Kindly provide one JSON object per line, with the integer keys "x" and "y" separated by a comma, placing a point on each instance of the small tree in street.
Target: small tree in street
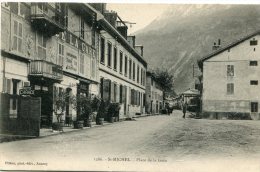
{"x": 166, "y": 80}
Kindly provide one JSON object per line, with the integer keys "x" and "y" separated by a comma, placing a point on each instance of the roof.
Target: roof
{"x": 227, "y": 47}
{"x": 115, "y": 33}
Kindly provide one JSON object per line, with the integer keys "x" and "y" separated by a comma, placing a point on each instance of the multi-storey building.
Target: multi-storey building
{"x": 53, "y": 48}
{"x": 122, "y": 68}
{"x": 231, "y": 80}
{"x": 154, "y": 95}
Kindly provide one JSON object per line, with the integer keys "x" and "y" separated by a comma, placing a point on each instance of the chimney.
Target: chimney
{"x": 140, "y": 49}
{"x": 111, "y": 17}
{"x": 101, "y": 7}
{"x": 122, "y": 30}
{"x": 216, "y": 46}
{"x": 131, "y": 40}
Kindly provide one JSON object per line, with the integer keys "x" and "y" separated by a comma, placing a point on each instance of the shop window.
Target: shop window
{"x": 230, "y": 88}
{"x": 17, "y": 36}
{"x": 254, "y": 82}
{"x": 109, "y": 51}
{"x": 254, "y": 106}
{"x": 102, "y": 50}
{"x": 115, "y": 58}
{"x": 42, "y": 40}
{"x": 61, "y": 54}
{"x": 253, "y": 63}
{"x": 230, "y": 70}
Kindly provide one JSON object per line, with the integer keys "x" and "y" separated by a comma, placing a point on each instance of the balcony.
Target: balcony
{"x": 43, "y": 69}
{"x": 46, "y": 18}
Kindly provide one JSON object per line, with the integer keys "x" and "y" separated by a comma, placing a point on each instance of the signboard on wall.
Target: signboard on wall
{"x": 71, "y": 61}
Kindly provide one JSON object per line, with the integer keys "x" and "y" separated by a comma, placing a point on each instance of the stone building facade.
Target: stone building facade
{"x": 52, "y": 47}
{"x": 231, "y": 80}
{"x": 154, "y": 95}
{"x": 122, "y": 69}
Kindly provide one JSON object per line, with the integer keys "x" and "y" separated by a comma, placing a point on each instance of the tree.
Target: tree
{"x": 166, "y": 80}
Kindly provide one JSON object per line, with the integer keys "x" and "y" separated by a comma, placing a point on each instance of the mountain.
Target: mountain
{"x": 185, "y": 33}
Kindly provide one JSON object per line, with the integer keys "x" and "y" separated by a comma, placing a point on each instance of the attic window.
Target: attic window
{"x": 253, "y": 63}
{"x": 253, "y": 42}
{"x": 254, "y": 82}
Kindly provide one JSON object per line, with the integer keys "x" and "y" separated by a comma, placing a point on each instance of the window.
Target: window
{"x": 17, "y": 36}
{"x": 61, "y": 54}
{"x": 126, "y": 60}
{"x": 115, "y": 92}
{"x": 253, "y": 42}
{"x": 230, "y": 70}
{"x": 102, "y": 49}
{"x": 93, "y": 73}
{"x": 130, "y": 69}
{"x": 82, "y": 28}
{"x": 41, "y": 46}
{"x": 121, "y": 62}
{"x": 101, "y": 87}
{"x": 138, "y": 73}
{"x": 66, "y": 11}
{"x": 121, "y": 94}
{"x": 254, "y": 82}
{"x": 93, "y": 37}
{"x": 109, "y": 49}
{"x": 17, "y": 8}
{"x": 230, "y": 88}
{"x": 43, "y": 7}
{"x": 133, "y": 70}
{"x": 6, "y": 5}
{"x": 253, "y": 63}
{"x": 254, "y": 106}
{"x": 115, "y": 58}
{"x": 141, "y": 76}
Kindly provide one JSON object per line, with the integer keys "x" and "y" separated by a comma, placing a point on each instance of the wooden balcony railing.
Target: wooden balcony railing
{"x": 41, "y": 68}
{"x": 48, "y": 18}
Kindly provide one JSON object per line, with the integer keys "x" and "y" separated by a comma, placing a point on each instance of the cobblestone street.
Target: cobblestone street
{"x": 168, "y": 139}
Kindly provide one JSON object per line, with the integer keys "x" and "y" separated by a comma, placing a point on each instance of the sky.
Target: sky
{"x": 141, "y": 14}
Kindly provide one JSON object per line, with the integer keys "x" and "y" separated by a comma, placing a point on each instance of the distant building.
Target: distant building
{"x": 122, "y": 68}
{"x": 154, "y": 95}
{"x": 231, "y": 80}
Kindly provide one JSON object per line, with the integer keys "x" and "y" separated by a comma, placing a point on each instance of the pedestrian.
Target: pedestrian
{"x": 184, "y": 109}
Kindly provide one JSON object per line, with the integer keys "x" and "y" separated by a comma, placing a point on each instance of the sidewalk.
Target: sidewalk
{"x": 44, "y": 132}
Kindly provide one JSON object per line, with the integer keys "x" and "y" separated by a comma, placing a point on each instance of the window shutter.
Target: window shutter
{"x": 8, "y": 86}
{"x": 106, "y": 89}
{"x": 112, "y": 92}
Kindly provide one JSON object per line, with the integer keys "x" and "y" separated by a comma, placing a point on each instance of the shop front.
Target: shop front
{"x": 43, "y": 75}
